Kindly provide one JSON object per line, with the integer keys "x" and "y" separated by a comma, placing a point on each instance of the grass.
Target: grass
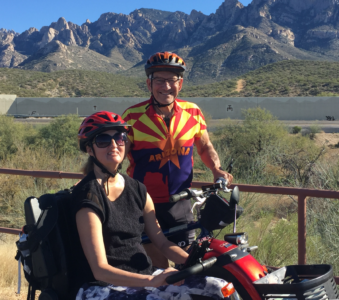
{"x": 283, "y": 79}
{"x": 9, "y": 270}
{"x": 70, "y": 83}
{"x": 292, "y": 78}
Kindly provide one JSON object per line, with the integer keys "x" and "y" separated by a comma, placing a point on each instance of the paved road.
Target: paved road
{"x": 327, "y": 126}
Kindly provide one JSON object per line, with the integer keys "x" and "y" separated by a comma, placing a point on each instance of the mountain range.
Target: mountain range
{"x": 232, "y": 41}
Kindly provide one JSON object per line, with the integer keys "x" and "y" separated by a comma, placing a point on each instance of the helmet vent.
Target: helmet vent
{"x": 90, "y": 121}
{"x": 104, "y": 117}
{"x": 87, "y": 129}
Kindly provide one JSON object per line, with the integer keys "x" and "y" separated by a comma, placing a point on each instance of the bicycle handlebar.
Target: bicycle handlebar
{"x": 195, "y": 269}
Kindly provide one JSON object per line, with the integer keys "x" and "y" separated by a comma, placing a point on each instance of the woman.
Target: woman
{"x": 111, "y": 212}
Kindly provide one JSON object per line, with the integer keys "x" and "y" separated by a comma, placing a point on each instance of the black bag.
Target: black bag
{"x": 218, "y": 213}
{"x": 45, "y": 247}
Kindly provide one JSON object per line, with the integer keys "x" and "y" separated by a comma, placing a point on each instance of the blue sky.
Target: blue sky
{"x": 20, "y": 15}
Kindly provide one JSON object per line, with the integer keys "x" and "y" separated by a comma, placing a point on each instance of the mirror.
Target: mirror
{"x": 235, "y": 196}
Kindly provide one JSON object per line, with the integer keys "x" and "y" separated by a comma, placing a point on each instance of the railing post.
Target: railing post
{"x": 301, "y": 229}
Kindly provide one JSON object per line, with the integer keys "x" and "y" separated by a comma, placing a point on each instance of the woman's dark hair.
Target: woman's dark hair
{"x": 88, "y": 166}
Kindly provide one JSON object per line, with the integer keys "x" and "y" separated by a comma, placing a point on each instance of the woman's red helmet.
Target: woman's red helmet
{"x": 165, "y": 61}
{"x": 97, "y": 123}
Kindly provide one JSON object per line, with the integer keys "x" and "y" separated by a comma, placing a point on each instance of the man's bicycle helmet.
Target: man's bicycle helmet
{"x": 165, "y": 61}
{"x": 97, "y": 123}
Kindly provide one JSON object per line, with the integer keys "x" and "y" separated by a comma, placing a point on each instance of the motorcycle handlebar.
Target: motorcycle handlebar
{"x": 185, "y": 194}
{"x": 195, "y": 269}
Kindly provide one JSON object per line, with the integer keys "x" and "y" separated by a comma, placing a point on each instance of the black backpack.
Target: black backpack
{"x": 45, "y": 247}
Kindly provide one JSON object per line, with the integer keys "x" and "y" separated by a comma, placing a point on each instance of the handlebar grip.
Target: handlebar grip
{"x": 182, "y": 195}
{"x": 195, "y": 269}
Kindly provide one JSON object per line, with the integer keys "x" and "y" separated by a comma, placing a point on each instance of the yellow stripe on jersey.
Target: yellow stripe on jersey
{"x": 144, "y": 137}
{"x": 149, "y": 123}
{"x": 191, "y": 133}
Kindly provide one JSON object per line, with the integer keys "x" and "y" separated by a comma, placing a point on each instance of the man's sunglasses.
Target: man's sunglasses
{"x": 104, "y": 140}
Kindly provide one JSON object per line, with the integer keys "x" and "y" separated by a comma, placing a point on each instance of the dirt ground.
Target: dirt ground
{"x": 240, "y": 85}
{"x": 327, "y": 139}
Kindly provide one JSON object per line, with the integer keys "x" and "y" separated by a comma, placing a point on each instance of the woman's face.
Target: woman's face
{"x": 113, "y": 154}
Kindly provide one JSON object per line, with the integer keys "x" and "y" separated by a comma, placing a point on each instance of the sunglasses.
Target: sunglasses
{"x": 104, "y": 140}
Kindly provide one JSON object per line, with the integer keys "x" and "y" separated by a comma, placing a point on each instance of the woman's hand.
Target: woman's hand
{"x": 160, "y": 279}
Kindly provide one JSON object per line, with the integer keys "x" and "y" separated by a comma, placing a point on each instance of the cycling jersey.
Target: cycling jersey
{"x": 161, "y": 157}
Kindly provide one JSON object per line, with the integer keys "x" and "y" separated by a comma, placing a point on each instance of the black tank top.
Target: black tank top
{"x": 122, "y": 224}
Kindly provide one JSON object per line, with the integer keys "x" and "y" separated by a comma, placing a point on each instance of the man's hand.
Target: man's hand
{"x": 217, "y": 173}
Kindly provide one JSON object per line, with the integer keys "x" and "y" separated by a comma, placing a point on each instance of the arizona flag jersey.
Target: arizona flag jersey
{"x": 161, "y": 157}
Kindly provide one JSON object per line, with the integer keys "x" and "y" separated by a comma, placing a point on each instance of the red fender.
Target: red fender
{"x": 246, "y": 269}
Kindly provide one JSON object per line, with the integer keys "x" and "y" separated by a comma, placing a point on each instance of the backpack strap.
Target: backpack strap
{"x": 31, "y": 292}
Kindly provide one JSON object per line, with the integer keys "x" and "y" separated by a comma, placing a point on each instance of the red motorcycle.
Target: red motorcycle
{"x": 230, "y": 258}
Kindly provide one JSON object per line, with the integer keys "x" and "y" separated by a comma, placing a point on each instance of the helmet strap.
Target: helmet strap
{"x": 103, "y": 169}
{"x": 155, "y": 102}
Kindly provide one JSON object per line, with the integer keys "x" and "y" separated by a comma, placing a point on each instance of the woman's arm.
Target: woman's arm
{"x": 153, "y": 230}
{"x": 90, "y": 232}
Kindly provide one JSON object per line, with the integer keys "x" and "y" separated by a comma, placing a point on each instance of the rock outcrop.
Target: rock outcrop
{"x": 231, "y": 41}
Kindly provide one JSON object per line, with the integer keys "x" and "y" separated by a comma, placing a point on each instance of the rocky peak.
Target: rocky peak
{"x": 228, "y": 11}
{"x": 197, "y": 15}
{"x": 8, "y": 31}
{"x": 27, "y": 35}
{"x": 301, "y": 5}
{"x": 61, "y": 24}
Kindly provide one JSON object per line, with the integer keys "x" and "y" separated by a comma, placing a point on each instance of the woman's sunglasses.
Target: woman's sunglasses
{"x": 104, "y": 140}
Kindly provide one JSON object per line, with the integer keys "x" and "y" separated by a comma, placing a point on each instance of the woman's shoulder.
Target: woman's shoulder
{"x": 133, "y": 182}
{"x": 87, "y": 183}
{"x": 87, "y": 193}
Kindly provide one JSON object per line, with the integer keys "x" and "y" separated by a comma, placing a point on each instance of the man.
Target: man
{"x": 164, "y": 130}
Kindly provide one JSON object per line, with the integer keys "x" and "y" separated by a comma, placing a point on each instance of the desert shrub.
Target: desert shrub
{"x": 11, "y": 134}
{"x": 15, "y": 189}
{"x": 251, "y": 144}
{"x": 297, "y": 159}
{"x": 296, "y": 129}
{"x": 60, "y": 135}
{"x": 314, "y": 129}
{"x": 322, "y": 232}
{"x": 264, "y": 152}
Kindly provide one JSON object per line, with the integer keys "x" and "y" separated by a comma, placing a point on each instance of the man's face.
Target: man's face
{"x": 165, "y": 86}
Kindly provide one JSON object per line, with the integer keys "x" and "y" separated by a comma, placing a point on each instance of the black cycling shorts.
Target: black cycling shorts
{"x": 174, "y": 214}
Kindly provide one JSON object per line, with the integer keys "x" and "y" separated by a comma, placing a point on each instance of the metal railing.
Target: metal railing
{"x": 301, "y": 193}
